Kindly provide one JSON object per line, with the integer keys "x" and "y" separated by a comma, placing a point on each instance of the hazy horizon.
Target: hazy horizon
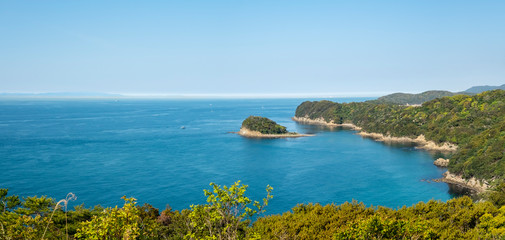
{"x": 250, "y": 48}
{"x": 187, "y": 95}
{"x": 216, "y": 95}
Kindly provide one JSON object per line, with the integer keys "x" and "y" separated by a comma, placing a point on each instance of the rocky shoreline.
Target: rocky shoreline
{"x": 472, "y": 183}
{"x": 255, "y": 134}
{"x": 421, "y": 142}
{"x": 441, "y": 162}
{"x": 321, "y": 121}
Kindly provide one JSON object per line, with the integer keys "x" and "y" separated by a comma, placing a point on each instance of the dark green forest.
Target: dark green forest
{"x": 230, "y": 214}
{"x": 263, "y": 125}
{"x": 475, "y": 123}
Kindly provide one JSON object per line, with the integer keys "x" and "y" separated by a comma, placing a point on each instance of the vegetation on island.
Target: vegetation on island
{"x": 263, "y": 125}
{"x": 229, "y": 214}
{"x": 475, "y": 123}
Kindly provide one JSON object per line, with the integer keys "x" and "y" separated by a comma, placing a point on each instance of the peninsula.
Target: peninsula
{"x": 470, "y": 127}
{"x": 261, "y": 127}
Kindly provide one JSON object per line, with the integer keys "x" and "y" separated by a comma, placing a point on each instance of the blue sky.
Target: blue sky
{"x": 250, "y": 47}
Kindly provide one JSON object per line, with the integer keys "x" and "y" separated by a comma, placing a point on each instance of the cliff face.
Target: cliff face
{"x": 472, "y": 183}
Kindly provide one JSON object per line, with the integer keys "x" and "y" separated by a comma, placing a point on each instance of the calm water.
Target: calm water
{"x": 104, "y": 149}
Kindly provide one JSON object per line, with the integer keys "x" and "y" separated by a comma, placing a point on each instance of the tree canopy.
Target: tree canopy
{"x": 263, "y": 125}
{"x": 229, "y": 214}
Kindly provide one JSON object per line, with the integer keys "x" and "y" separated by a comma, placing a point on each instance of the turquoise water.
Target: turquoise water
{"x": 104, "y": 149}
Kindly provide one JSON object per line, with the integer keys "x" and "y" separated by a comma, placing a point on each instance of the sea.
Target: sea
{"x": 165, "y": 152}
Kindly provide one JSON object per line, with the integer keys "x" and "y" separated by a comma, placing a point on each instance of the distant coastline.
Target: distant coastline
{"x": 45, "y": 95}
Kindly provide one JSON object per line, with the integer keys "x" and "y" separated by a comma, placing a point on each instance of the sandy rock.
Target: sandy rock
{"x": 321, "y": 121}
{"x": 441, "y": 162}
{"x": 245, "y": 132}
{"x": 472, "y": 183}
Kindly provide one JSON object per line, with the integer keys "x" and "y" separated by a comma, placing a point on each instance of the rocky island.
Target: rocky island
{"x": 261, "y": 127}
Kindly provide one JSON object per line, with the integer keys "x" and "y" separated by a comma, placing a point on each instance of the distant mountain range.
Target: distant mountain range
{"x": 420, "y": 98}
{"x": 414, "y": 99}
{"x": 396, "y": 98}
{"x": 60, "y": 94}
{"x": 479, "y": 89}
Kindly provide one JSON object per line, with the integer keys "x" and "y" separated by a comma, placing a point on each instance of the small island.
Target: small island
{"x": 261, "y": 127}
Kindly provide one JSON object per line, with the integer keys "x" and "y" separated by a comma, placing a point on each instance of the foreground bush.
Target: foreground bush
{"x": 229, "y": 214}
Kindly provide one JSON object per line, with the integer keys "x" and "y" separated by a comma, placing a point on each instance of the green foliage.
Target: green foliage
{"x": 227, "y": 213}
{"x": 377, "y": 227}
{"x": 475, "y": 123}
{"x": 36, "y": 205}
{"x": 120, "y": 223}
{"x": 27, "y": 219}
{"x": 492, "y": 226}
{"x": 8, "y": 203}
{"x": 457, "y": 219}
{"x": 226, "y": 216}
{"x": 263, "y": 125}
{"x": 497, "y": 196}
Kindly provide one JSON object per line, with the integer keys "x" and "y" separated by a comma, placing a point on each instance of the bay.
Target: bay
{"x": 167, "y": 151}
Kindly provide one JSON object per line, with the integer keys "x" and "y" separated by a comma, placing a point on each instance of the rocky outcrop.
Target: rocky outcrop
{"x": 420, "y": 141}
{"x": 472, "y": 183}
{"x": 441, "y": 162}
{"x": 255, "y": 134}
{"x": 321, "y": 121}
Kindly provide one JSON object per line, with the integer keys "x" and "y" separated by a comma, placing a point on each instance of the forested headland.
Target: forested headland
{"x": 476, "y": 124}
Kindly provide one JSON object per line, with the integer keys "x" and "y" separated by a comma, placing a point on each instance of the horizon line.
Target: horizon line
{"x": 185, "y": 95}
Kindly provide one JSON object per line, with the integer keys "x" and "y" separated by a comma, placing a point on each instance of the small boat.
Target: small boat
{"x": 183, "y": 127}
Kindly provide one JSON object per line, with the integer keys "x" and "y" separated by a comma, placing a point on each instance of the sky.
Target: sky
{"x": 250, "y": 47}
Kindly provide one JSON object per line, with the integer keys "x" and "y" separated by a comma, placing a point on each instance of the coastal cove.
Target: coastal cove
{"x": 470, "y": 126}
{"x": 474, "y": 185}
{"x": 104, "y": 149}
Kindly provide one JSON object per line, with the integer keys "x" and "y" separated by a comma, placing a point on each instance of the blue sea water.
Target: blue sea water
{"x": 104, "y": 149}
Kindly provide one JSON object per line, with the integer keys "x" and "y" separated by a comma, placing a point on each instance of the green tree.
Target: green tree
{"x": 227, "y": 214}
{"x": 119, "y": 223}
{"x": 497, "y": 196}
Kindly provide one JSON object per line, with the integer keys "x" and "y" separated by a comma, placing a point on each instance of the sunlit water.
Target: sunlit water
{"x": 167, "y": 151}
